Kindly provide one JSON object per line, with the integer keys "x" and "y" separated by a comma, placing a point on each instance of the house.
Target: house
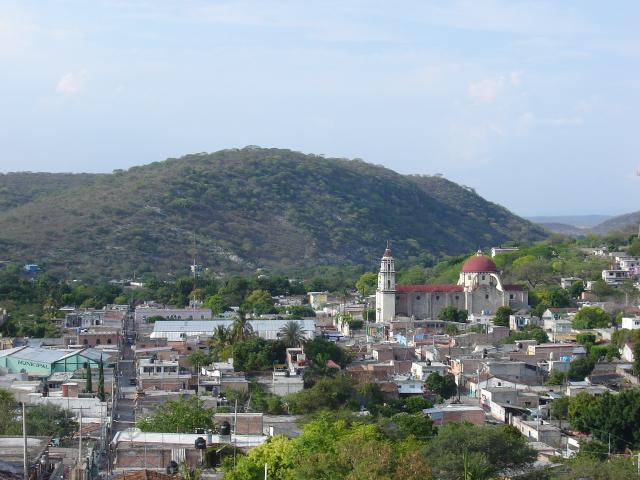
{"x": 422, "y": 370}
{"x": 520, "y": 320}
{"x": 558, "y": 313}
{"x": 39, "y": 465}
{"x": 615, "y": 277}
{"x": 96, "y": 337}
{"x": 164, "y": 375}
{"x": 631, "y": 323}
{"x": 218, "y": 378}
{"x": 456, "y": 413}
{"x": 133, "y": 449}
{"x": 318, "y": 299}
{"x": 632, "y": 264}
{"x": 498, "y": 250}
{"x": 626, "y": 353}
{"x": 567, "y": 282}
{"x": 509, "y": 396}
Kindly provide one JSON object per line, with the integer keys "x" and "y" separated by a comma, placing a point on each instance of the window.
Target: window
{"x": 437, "y": 297}
{"x": 97, "y": 341}
{"x": 108, "y": 341}
{"x": 418, "y": 297}
{"x": 483, "y": 277}
{"x": 486, "y": 297}
{"x": 457, "y": 297}
{"x": 86, "y": 342}
{"x": 511, "y": 296}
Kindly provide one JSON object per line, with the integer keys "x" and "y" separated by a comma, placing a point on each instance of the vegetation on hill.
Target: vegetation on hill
{"x": 248, "y": 208}
{"x": 23, "y": 187}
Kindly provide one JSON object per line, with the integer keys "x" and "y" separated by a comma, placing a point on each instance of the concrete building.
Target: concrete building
{"x": 44, "y": 362}
{"x": 422, "y": 370}
{"x": 631, "y": 323}
{"x": 143, "y": 313}
{"x": 615, "y": 277}
{"x": 134, "y": 450}
{"x": 456, "y": 413}
{"x": 498, "y": 250}
{"x": 174, "y": 331}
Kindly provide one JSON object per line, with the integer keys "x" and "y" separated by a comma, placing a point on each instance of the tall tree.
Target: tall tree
{"x": 292, "y": 334}
{"x": 101, "y": 394}
{"x": 87, "y": 373}
{"x": 241, "y": 328}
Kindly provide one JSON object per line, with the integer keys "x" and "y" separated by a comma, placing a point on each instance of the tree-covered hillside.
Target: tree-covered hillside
{"x": 251, "y": 208}
{"x": 22, "y": 187}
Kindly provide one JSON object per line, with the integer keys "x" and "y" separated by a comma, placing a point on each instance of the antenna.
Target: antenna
{"x": 194, "y": 268}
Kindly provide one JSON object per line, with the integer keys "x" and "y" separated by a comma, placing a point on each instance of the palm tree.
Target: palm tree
{"x": 221, "y": 337}
{"x": 241, "y": 328}
{"x": 292, "y": 334}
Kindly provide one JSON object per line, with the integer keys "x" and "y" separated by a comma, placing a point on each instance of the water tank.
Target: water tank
{"x": 200, "y": 443}
{"x": 225, "y": 428}
{"x": 172, "y": 468}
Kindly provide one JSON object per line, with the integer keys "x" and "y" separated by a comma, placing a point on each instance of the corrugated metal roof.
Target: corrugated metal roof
{"x": 9, "y": 351}
{"x": 44, "y": 355}
{"x": 210, "y": 325}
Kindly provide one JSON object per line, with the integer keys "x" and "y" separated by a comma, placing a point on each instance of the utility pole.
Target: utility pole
{"x": 24, "y": 443}
{"x": 235, "y": 432}
{"x": 80, "y": 440}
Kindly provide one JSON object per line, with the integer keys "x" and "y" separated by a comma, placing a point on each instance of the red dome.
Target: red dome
{"x": 479, "y": 263}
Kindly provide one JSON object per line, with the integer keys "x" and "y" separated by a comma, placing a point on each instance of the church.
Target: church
{"x": 479, "y": 291}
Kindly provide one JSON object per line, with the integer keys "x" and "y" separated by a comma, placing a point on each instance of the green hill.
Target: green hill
{"x": 23, "y": 187}
{"x": 250, "y": 208}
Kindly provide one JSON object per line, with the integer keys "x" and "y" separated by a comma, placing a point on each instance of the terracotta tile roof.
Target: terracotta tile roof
{"x": 429, "y": 288}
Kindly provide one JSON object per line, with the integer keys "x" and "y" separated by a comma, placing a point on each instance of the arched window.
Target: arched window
{"x": 97, "y": 341}
{"x": 108, "y": 341}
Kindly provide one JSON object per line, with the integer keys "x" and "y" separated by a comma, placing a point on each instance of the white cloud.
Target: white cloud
{"x": 72, "y": 82}
{"x": 487, "y": 90}
{"x": 529, "y": 119}
{"x": 516, "y": 78}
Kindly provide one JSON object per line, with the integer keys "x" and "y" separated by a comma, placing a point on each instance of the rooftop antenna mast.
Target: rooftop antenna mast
{"x": 194, "y": 268}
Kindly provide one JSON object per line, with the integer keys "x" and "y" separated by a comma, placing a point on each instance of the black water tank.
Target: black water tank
{"x": 200, "y": 443}
{"x": 225, "y": 428}
{"x": 172, "y": 468}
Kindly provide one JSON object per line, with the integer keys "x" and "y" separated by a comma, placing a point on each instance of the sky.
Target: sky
{"x": 533, "y": 104}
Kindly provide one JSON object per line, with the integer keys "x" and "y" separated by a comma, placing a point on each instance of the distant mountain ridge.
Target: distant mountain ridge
{"x": 578, "y": 221}
{"x": 580, "y": 225}
{"x": 247, "y": 208}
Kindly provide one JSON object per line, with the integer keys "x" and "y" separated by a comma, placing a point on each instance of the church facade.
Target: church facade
{"x": 479, "y": 291}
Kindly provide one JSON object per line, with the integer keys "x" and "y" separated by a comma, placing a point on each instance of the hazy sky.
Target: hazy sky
{"x": 534, "y": 104}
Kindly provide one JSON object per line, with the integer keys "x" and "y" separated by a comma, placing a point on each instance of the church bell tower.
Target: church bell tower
{"x": 386, "y": 291}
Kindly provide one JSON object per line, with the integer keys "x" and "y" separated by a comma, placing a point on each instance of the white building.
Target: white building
{"x": 498, "y": 250}
{"x": 175, "y": 331}
{"x": 386, "y": 291}
{"x": 615, "y": 277}
{"x": 631, "y": 323}
{"x": 142, "y": 313}
{"x": 422, "y": 370}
